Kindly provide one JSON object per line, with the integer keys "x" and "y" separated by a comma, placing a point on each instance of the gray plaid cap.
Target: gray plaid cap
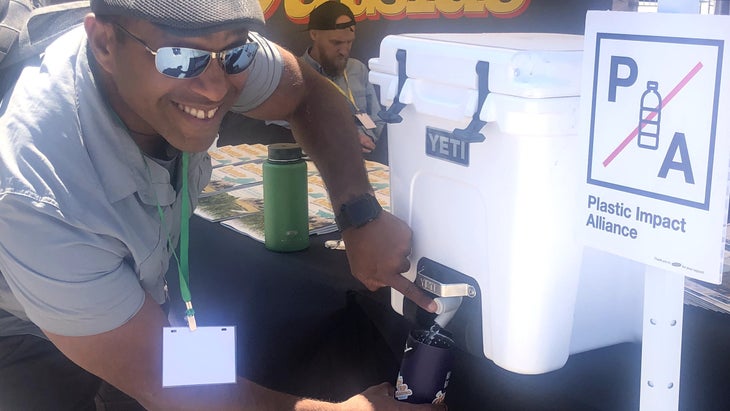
{"x": 187, "y": 17}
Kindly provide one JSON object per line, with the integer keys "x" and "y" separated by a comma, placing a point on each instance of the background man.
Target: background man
{"x": 102, "y": 144}
{"x": 332, "y": 30}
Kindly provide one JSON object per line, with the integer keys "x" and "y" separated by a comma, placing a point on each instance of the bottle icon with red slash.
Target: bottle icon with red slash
{"x": 650, "y": 116}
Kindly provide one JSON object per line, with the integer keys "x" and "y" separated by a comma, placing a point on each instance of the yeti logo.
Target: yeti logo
{"x": 441, "y": 144}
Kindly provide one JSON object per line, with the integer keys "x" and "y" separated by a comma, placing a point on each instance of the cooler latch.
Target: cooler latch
{"x": 391, "y": 115}
{"x": 471, "y": 133}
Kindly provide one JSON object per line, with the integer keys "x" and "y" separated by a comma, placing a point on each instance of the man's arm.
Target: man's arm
{"x": 371, "y": 106}
{"x": 373, "y": 109}
{"x": 322, "y": 124}
{"x": 369, "y": 137}
{"x": 130, "y": 358}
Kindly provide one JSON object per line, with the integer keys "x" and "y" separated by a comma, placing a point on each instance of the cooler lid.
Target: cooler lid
{"x": 530, "y": 65}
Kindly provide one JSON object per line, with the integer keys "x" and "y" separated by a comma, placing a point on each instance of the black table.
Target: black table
{"x": 306, "y": 326}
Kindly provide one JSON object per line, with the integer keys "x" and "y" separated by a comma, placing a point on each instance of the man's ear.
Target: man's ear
{"x": 313, "y": 35}
{"x": 101, "y": 41}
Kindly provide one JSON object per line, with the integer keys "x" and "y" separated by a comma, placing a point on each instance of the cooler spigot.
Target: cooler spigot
{"x": 445, "y": 290}
{"x": 447, "y": 307}
{"x": 449, "y": 296}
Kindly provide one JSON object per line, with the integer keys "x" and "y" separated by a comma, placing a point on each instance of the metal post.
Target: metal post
{"x": 661, "y": 348}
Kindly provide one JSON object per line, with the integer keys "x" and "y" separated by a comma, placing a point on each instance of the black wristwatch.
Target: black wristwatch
{"x": 358, "y": 212}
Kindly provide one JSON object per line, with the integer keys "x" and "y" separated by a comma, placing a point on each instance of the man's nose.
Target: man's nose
{"x": 213, "y": 82}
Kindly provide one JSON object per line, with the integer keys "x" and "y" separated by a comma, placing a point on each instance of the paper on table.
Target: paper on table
{"x": 232, "y": 200}
{"x": 711, "y": 296}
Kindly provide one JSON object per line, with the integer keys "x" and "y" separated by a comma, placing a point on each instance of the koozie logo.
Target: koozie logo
{"x": 402, "y": 392}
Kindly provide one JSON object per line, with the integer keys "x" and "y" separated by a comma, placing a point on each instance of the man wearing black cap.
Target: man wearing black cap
{"x": 332, "y": 30}
{"x": 102, "y": 156}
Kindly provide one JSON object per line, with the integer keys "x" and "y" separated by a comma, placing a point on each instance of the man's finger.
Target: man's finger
{"x": 390, "y": 390}
{"x": 405, "y": 265}
{"x": 413, "y": 293}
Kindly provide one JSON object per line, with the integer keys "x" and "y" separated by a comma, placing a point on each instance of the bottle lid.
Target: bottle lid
{"x": 285, "y": 152}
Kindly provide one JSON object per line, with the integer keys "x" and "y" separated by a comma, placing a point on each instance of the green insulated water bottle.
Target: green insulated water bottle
{"x": 286, "y": 205}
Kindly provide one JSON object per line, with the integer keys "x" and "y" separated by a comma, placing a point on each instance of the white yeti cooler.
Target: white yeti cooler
{"x": 483, "y": 166}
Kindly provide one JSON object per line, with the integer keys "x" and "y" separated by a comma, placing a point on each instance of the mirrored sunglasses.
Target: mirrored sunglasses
{"x": 186, "y": 62}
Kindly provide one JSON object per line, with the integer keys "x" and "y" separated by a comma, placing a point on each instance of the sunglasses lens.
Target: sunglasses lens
{"x": 181, "y": 62}
{"x": 238, "y": 59}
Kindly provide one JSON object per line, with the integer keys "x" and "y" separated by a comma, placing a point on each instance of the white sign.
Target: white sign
{"x": 655, "y": 120}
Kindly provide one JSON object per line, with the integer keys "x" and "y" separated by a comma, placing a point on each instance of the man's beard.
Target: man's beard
{"x": 334, "y": 68}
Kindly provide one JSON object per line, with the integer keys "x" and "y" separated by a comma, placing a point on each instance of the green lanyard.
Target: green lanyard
{"x": 182, "y": 262}
{"x": 182, "y": 266}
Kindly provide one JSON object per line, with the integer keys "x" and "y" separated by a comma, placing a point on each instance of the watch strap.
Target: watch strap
{"x": 358, "y": 212}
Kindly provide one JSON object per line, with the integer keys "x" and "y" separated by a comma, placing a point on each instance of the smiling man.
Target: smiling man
{"x": 102, "y": 151}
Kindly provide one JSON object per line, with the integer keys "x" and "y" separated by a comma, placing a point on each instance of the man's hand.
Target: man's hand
{"x": 380, "y": 397}
{"x": 378, "y": 254}
{"x": 366, "y": 143}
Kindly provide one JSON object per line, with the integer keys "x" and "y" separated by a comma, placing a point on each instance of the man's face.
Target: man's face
{"x": 331, "y": 48}
{"x": 186, "y": 112}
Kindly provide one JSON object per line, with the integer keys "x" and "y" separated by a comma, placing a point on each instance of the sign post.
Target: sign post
{"x": 661, "y": 348}
{"x": 657, "y": 139}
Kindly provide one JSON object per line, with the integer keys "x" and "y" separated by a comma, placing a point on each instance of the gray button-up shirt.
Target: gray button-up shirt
{"x": 81, "y": 239}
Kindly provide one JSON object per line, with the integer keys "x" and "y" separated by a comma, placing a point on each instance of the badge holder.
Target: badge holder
{"x": 194, "y": 355}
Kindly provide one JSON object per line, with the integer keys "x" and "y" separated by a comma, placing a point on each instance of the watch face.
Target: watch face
{"x": 358, "y": 212}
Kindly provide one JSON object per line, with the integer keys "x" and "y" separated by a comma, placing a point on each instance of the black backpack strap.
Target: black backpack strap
{"x": 14, "y": 15}
{"x": 25, "y": 32}
{"x": 42, "y": 26}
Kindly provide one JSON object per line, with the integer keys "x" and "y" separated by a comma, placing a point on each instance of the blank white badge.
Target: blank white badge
{"x": 204, "y": 356}
{"x": 365, "y": 120}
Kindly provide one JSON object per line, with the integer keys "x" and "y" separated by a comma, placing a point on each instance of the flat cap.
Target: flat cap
{"x": 324, "y": 16}
{"x": 187, "y": 17}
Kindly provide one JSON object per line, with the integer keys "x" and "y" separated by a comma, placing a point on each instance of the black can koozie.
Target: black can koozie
{"x": 425, "y": 368}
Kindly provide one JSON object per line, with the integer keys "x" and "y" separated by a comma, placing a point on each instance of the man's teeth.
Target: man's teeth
{"x": 197, "y": 113}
